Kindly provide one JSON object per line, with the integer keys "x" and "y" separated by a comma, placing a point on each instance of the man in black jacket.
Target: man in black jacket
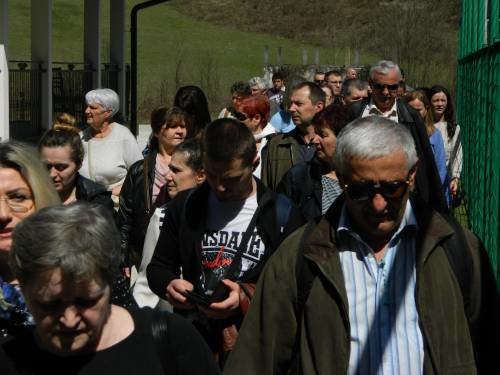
{"x": 220, "y": 235}
{"x": 384, "y": 80}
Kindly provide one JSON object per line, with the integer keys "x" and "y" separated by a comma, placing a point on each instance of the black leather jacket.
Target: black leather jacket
{"x": 93, "y": 192}
{"x": 136, "y": 207}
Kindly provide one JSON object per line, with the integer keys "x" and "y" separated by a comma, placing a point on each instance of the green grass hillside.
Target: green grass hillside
{"x": 174, "y": 49}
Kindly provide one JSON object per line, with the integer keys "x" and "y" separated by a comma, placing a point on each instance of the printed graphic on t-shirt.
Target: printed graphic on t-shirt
{"x": 220, "y": 247}
{"x": 227, "y": 223}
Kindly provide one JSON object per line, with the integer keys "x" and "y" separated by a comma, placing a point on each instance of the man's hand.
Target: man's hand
{"x": 229, "y": 307}
{"x": 176, "y": 290}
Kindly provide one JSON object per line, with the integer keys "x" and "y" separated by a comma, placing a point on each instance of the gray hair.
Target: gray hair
{"x": 259, "y": 82}
{"x": 353, "y": 83}
{"x": 107, "y": 98}
{"x": 384, "y": 67}
{"x": 81, "y": 239}
{"x": 370, "y": 138}
{"x": 24, "y": 159}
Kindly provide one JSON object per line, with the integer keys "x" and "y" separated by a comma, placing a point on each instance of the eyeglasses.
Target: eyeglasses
{"x": 240, "y": 116}
{"x": 360, "y": 191}
{"x": 381, "y": 87}
{"x": 19, "y": 204}
{"x": 319, "y": 81}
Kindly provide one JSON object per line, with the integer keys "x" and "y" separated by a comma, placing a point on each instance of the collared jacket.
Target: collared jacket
{"x": 302, "y": 184}
{"x": 90, "y": 191}
{"x": 280, "y": 154}
{"x": 427, "y": 181}
{"x": 266, "y": 342}
{"x": 136, "y": 207}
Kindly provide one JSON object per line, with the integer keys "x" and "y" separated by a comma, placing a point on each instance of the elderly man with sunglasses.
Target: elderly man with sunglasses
{"x": 370, "y": 288}
{"x": 384, "y": 79}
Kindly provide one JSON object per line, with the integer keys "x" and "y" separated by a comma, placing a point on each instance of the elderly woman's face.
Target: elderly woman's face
{"x": 96, "y": 115}
{"x": 16, "y": 203}
{"x": 70, "y": 316}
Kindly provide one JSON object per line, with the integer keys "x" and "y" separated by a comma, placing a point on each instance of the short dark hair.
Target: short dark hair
{"x": 334, "y": 116}
{"x": 333, "y": 72}
{"x": 227, "y": 139}
{"x": 242, "y": 88}
{"x": 278, "y": 75}
{"x": 191, "y": 149}
{"x": 315, "y": 92}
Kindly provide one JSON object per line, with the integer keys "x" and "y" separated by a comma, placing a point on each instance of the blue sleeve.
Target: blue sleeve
{"x": 439, "y": 154}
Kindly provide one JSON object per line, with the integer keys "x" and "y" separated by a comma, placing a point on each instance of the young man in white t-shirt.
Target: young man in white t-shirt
{"x": 204, "y": 230}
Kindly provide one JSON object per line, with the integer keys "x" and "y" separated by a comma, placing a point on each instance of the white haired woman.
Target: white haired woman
{"x": 65, "y": 259}
{"x": 110, "y": 148}
{"x": 25, "y": 187}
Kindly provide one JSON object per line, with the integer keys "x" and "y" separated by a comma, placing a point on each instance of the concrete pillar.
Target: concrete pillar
{"x": 117, "y": 47}
{"x": 4, "y": 24}
{"x": 41, "y": 51}
{"x": 4, "y": 96}
{"x": 92, "y": 39}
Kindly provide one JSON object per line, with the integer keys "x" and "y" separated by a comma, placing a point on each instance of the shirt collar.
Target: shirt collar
{"x": 372, "y": 109}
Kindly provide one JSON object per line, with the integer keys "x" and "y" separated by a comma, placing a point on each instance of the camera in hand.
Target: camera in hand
{"x": 220, "y": 293}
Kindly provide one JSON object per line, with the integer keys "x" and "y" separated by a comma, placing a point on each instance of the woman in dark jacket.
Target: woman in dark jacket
{"x": 142, "y": 190}
{"x": 62, "y": 152}
{"x": 313, "y": 186}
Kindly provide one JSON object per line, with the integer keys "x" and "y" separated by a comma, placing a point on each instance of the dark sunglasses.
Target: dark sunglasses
{"x": 381, "y": 87}
{"x": 360, "y": 191}
{"x": 240, "y": 116}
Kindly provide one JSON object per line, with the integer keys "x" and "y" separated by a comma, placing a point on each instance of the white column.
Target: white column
{"x": 92, "y": 39}
{"x": 117, "y": 46}
{"x": 4, "y": 24}
{"x": 41, "y": 51}
{"x": 4, "y": 96}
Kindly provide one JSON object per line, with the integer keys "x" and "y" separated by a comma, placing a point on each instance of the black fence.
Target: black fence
{"x": 70, "y": 82}
{"x": 25, "y": 100}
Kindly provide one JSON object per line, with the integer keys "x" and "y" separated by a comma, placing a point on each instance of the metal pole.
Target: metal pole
{"x": 133, "y": 60}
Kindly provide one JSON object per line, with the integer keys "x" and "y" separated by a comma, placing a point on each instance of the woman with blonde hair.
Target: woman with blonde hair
{"x": 419, "y": 101}
{"x": 25, "y": 187}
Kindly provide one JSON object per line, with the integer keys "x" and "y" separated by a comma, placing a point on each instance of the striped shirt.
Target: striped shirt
{"x": 385, "y": 335}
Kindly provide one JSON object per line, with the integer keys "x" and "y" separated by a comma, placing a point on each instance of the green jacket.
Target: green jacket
{"x": 280, "y": 154}
{"x": 266, "y": 340}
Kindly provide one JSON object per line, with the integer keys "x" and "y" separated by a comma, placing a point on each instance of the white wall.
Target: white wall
{"x": 4, "y": 96}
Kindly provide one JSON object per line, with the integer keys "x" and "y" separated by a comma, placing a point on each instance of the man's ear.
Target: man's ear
{"x": 320, "y": 105}
{"x": 200, "y": 177}
{"x": 412, "y": 173}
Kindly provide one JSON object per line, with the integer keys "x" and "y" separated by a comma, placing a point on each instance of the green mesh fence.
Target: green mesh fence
{"x": 478, "y": 113}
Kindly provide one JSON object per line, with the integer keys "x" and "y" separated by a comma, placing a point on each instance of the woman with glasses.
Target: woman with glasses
{"x": 254, "y": 113}
{"x": 25, "y": 187}
{"x": 314, "y": 186}
{"x": 61, "y": 150}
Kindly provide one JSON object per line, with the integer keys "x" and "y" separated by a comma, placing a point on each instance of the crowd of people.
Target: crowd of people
{"x": 307, "y": 229}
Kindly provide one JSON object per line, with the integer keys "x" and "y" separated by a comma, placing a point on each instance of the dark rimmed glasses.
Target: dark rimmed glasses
{"x": 360, "y": 191}
{"x": 381, "y": 87}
